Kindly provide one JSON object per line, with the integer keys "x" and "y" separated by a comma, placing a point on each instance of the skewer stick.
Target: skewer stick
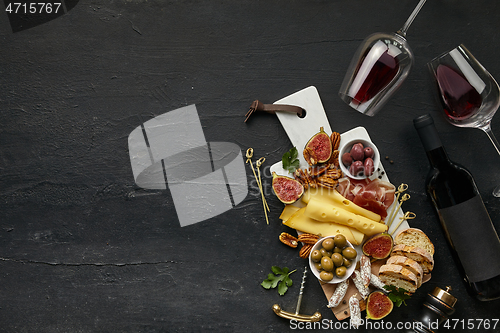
{"x": 401, "y": 189}
{"x": 259, "y": 181}
{"x": 258, "y": 164}
{"x": 404, "y": 198}
{"x": 249, "y": 156}
{"x": 406, "y": 217}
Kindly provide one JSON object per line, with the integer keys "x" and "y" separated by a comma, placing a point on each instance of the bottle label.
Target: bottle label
{"x": 473, "y": 236}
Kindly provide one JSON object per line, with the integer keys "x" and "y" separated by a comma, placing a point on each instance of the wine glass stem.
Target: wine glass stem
{"x": 410, "y": 19}
{"x": 487, "y": 130}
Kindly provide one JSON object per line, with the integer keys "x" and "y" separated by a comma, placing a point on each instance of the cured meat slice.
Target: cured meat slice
{"x": 375, "y": 195}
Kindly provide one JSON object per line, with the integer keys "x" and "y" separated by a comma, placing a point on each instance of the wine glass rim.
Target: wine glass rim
{"x": 462, "y": 48}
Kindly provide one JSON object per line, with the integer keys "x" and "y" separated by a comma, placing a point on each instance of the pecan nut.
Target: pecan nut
{"x": 308, "y": 238}
{"x": 305, "y": 251}
{"x": 288, "y": 239}
{"x": 301, "y": 177}
{"x": 334, "y": 173}
{"x": 334, "y": 159}
{"x": 315, "y": 171}
{"x": 310, "y": 156}
{"x": 335, "y": 138}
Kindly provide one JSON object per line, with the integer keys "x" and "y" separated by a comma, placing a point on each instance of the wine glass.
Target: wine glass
{"x": 378, "y": 68}
{"x": 469, "y": 95}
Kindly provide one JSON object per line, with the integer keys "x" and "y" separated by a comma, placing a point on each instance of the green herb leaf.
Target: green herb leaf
{"x": 282, "y": 288}
{"x": 290, "y": 161}
{"x": 397, "y": 295}
{"x": 266, "y": 284}
{"x": 281, "y": 279}
{"x": 276, "y": 270}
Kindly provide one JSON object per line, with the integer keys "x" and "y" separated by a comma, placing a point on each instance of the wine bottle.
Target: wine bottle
{"x": 464, "y": 219}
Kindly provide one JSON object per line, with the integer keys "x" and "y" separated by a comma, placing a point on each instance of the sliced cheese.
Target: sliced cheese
{"x": 288, "y": 212}
{"x": 335, "y": 198}
{"x": 358, "y": 235}
{"x": 325, "y": 212}
{"x": 300, "y": 222}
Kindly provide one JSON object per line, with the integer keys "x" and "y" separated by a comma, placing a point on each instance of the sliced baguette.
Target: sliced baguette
{"x": 414, "y": 237}
{"x": 409, "y": 264}
{"x": 398, "y": 276}
{"x": 422, "y": 257}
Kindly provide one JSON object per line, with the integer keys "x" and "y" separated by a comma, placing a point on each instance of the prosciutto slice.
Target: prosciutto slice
{"x": 375, "y": 195}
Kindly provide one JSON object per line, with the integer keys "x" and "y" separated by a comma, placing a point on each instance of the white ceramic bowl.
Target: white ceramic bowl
{"x": 335, "y": 279}
{"x": 345, "y": 147}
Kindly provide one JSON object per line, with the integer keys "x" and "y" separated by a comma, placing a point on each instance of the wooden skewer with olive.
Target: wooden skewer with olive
{"x": 333, "y": 258}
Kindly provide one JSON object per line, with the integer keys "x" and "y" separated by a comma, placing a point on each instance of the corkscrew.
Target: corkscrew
{"x": 296, "y": 316}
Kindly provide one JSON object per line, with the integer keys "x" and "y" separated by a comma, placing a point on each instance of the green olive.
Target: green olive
{"x": 325, "y": 253}
{"x": 328, "y": 244}
{"x": 347, "y": 263}
{"x": 340, "y": 241}
{"x": 341, "y": 271}
{"x": 337, "y": 259}
{"x": 350, "y": 253}
{"x": 326, "y": 276}
{"x": 316, "y": 256}
{"x": 327, "y": 264}
{"x": 337, "y": 250}
{"x": 317, "y": 265}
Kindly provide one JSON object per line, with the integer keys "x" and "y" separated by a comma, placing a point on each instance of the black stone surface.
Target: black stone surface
{"x": 83, "y": 249}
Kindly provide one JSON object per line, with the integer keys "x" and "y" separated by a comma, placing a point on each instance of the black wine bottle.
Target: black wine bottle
{"x": 465, "y": 221}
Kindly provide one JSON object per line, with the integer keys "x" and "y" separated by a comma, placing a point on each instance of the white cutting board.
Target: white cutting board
{"x": 300, "y": 130}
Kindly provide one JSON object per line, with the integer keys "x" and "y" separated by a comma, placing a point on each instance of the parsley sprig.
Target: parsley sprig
{"x": 397, "y": 295}
{"x": 281, "y": 279}
{"x": 290, "y": 161}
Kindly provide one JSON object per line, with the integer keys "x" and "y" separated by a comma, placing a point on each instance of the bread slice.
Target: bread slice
{"x": 414, "y": 237}
{"x": 398, "y": 276}
{"x": 409, "y": 264}
{"x": 422, "y": 257}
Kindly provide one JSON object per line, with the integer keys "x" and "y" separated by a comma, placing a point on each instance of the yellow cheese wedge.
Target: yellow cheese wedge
{"x": 333, "y": 197}
{"x": 358, "y": 235}
{"x": 324, "y": 212}
{"x": 288, "y": 211}
{"x": 300, "y": 222}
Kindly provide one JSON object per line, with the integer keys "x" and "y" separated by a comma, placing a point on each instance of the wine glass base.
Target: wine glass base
{"x": 496, "y": 192}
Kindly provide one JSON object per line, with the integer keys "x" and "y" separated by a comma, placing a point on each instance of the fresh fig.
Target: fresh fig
{"x": 321, "y": 147}
{"x": 378, "y": 305}
{"x": 378, "y": 246}
{"x": 287, "y": 189}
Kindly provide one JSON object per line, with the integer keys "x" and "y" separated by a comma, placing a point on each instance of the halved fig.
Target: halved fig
{"x": 319, "y": 148}
{"x": 378, "y": 305}
{"x": 287, "y": 189}
{"x": 378, "y": 246}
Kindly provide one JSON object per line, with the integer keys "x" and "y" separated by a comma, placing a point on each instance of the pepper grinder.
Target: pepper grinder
{"x": 438, "y": 306}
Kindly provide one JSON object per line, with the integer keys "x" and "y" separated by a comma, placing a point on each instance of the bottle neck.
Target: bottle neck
{"x": 438, "y": 157}
{"x": 430, "y": 140}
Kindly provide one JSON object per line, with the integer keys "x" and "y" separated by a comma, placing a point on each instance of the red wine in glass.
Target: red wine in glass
{"x": 459, "y": 98}
{"x": 380, "y": 75}
{"x": 378, "y": 68}
{"x": 469, "y": 94}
